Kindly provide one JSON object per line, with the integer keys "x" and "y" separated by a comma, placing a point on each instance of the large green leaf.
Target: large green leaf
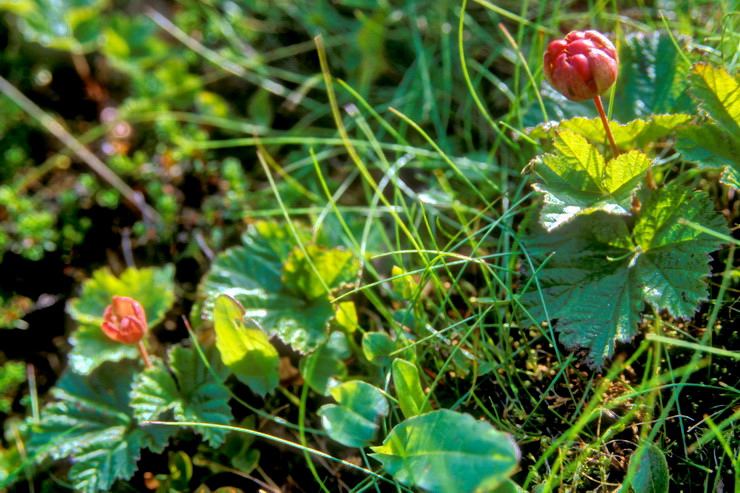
{"x": 576, "y": 180}
{"x": 596, "y": 281}
{"x": 91, "y": 421}
{"x": 277, "y": 286}
{"x": 650, "y": 472}
{"x": 652, "y": 78}
{"x": 718, "y": 93}
{"x": 635, "y": 134}
{"x": 246, "y": 351}
{"x": 153, "y": 287}
{"x": 444, "y": 451}
{"x": 354, "y": 421}
{"x": 188, "y": 390}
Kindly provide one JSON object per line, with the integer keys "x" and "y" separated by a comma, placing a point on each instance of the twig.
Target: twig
{"x": 609, "y": 135}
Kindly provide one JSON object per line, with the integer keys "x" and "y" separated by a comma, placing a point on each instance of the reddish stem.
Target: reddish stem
{"x": 609, "y": 135}
{"x": 144, "y": 354}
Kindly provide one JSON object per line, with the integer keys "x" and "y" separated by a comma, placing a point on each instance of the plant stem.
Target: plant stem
{"x": 144, "y": 354}
{"x": 602, "y": 114}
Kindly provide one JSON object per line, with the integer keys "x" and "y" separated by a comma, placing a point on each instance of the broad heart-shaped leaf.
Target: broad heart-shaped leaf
{"x": 599, "y": 275}
{"x": 635, "y": 134}
{"x": 576, "y": 180}
{"x": 91, "y": 421}
{"x": 189, "y": 390}
{"x": 448, "y": 452}
{"x": 288, "y": 303}
{"x": 408, "y": 388}
{"x": 652, "y": 78}
{"x": 153, "y": 287}
{"x": 354, "y": 421}
{"x": 650, "y": 471}
{"x": 718, "y": 93}
{"x": 327, "y": 362}
{"x": 245, "y": 351}
{"x": 675, "y": 260}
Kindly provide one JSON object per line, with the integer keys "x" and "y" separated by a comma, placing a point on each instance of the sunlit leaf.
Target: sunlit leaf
{"x": 718, "y": 93}
{"x": 635, "y": 134}
{"x": 448, "y": 452}
{"x": 245, "y": 351}
{"x": 577, "y": 180}
{"x": 353, "y": 422}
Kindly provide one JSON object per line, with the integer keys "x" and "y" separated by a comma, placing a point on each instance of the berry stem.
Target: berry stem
{"x": 602, "y": 114}
{"x": 144, "y": 354}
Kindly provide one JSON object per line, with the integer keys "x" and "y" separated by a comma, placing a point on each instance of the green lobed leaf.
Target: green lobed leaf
{"x": 245, "y": 351}
{"x": 410, "y": 395}
{"x": 153, "y": 287}
{"x": 327, "y": 362}
{"x": 445, "y": 451}
{"x": 354, "y": 421}
{"x": 289, "y": 304}
{"x": 675, "y": 261}
{"x": 650, "y": 472}
{"x": 718, "y": 93}
{"x": 634, "y": 134}
{"x": 599, "y": 276}
{"x": 91, "y": 422}
{"x": 188, "y": 390}
{"x": 576, "y": 180}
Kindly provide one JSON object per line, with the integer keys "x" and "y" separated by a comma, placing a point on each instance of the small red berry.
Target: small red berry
{"x": 124, "y": 320}
{"x": 581, "y": 66}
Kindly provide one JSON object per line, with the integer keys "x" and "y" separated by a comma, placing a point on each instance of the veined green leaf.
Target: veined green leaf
{"x": 91, "y": 421}
{"x": 576, "y": 180}
{"x": 354, "y": 421}
{"x": 448, "y": 452}
{"x": 331, "y": 269}
{"x": 245, "y": 351}
{"x": 189, "y": 391}
{"x": 597, "y": 279}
